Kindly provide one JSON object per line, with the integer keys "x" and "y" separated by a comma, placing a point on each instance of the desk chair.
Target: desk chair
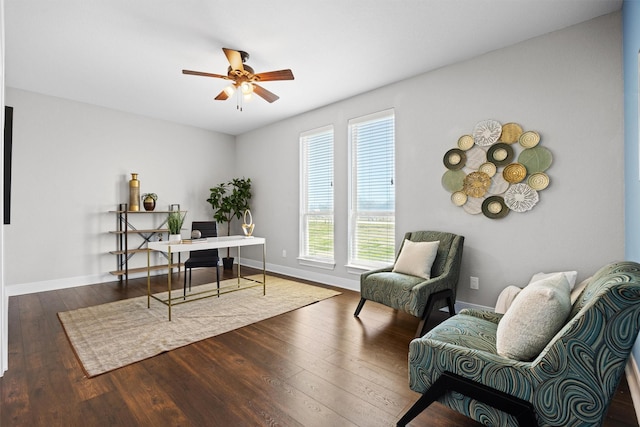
{"x": 205, "y": 258}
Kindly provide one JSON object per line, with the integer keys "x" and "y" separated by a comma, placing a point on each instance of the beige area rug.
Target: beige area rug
{"x": 109, "y": 336}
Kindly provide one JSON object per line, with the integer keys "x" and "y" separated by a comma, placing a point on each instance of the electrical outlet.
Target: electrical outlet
{"x": 474, "y": 283}
{"x": 284, "y": 253}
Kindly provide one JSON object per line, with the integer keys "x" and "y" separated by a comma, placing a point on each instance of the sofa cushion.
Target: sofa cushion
{"x": 506, "y": 297}
{"x": 570, "y": 275}
{"x": 416, "y": 258}
{"x": 465, "y": 331}
{"x": 537, "y": 313}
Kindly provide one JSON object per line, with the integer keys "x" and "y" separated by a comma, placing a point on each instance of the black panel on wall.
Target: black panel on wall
{"x": 8, "y": 142}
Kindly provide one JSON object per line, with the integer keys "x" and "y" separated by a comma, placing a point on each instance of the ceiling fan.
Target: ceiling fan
{"x": 244, "y": 78}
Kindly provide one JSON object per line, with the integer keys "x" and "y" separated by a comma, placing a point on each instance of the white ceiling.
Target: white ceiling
{"x": 128, "y": 54}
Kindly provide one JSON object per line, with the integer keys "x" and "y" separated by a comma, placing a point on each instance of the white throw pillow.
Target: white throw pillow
{"x": 538, "y": 312}
{"x": 570, "y": 275}
{"x": 506, "y": 297}
{"x": 416, "y": 258}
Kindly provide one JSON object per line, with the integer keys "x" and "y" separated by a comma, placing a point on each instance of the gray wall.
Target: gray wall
{"x": 71, "y": 165}
{"x": 566, "y": 85}
{"x": 72, "y": 162}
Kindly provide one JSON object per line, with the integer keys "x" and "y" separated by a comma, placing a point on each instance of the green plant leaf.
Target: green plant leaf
{"x": 230, "y": 199}
{"x": 175, "y": 221}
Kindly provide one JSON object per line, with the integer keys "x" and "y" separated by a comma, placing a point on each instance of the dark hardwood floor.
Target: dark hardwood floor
{"x": 316, "y": 366}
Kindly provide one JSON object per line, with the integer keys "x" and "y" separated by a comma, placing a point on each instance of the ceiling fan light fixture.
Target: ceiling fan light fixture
{"x": 247, "y": 88}
{"x": 230, "y": 90}
{"x": 247, "y": 97}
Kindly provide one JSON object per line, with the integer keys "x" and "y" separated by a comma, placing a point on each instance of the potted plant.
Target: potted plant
{"x": 174, "y": 222}
{"x": 149, "y": 201}
{"x": 228, "y": 200}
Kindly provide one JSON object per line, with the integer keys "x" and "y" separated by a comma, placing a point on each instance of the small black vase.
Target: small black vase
{"x": 227, "y": 263}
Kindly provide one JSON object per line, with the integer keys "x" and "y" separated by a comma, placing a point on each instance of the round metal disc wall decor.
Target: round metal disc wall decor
{"x": 476, "y": 184}
{"x": 500, "y": 154}
{"x": 514, "y": 173}
{"x": 453, "y": 180}
{"x": 494, "y": 207}
{"x": 488, "y": 168}
{"x": 465, "y": 142}
{"x": 521, "y": 198}
{"x": 487, "y": 132}
{"x": 496, "y": 169}
{"x": 511, "y": 133}
{"x": 538, "y": 181}
{"x": 454, "y": 159}
{"x": 536, "y": 159}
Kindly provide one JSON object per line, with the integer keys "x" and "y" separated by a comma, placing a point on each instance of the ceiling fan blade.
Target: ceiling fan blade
{"x": 262, "y": 92}
{"x": 200, "y": 73}
{"x": 235, "y": 58}
{"x": 222, "y": 96}
{"x": 274, "y": 75}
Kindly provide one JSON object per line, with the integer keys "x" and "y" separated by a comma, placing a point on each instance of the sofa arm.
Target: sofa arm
{"x": 364, "y": 275}
{"x": 423, "y": 290}
{"x": 483, "y": 314}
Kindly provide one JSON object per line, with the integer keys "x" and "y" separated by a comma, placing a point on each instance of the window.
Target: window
{"x": 316, "y": 198}
{"x": 372, "y": 196}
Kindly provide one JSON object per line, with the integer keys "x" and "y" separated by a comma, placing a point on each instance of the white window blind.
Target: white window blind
{"x": 316, "y": 210}
{"x": 372, "y": 196}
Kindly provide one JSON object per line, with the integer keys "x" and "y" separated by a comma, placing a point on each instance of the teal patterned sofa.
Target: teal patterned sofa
{"x": 570, "y": 383}
{"x": 415, "y": 295}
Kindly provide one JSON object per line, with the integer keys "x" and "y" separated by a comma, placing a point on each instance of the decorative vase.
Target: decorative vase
{"x": 247, "y": 227}
{"x": 134, "y": 193}
{"x": 149, "y": 204}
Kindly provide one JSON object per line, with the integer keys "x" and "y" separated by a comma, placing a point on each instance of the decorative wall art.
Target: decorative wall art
{"x": 497, "y": 169}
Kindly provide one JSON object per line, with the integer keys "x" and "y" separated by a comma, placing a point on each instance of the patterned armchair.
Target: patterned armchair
{"x": 416, "y": 295}
{"x": 570, "y": 383}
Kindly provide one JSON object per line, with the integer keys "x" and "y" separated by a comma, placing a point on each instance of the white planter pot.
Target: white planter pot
{"x": 175, "y": 238}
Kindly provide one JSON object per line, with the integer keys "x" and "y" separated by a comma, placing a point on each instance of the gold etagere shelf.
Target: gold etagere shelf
{"x": 126, "y": 228}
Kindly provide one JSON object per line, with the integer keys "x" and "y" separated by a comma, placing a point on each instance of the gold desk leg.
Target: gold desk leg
{"x": 169, "y": 281}
{"x": 148, "y": 278}
{"x": 264, "y": 269}
{"x": 238, "y": 266}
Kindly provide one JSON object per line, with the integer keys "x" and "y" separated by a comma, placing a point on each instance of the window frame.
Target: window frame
{"x": 304, "y": 257}
{"x": 354, "y": 263}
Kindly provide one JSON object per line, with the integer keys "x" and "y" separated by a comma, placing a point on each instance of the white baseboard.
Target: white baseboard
{"x": 69, "y": 282}
{"x": 633, "y": 379}
{"x": 72, "y": 282}
{"x": 52, "y": 285}
{"x": 325, "y": 279}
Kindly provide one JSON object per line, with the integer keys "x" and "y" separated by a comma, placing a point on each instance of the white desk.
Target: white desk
{"x": 210, "y": 243}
